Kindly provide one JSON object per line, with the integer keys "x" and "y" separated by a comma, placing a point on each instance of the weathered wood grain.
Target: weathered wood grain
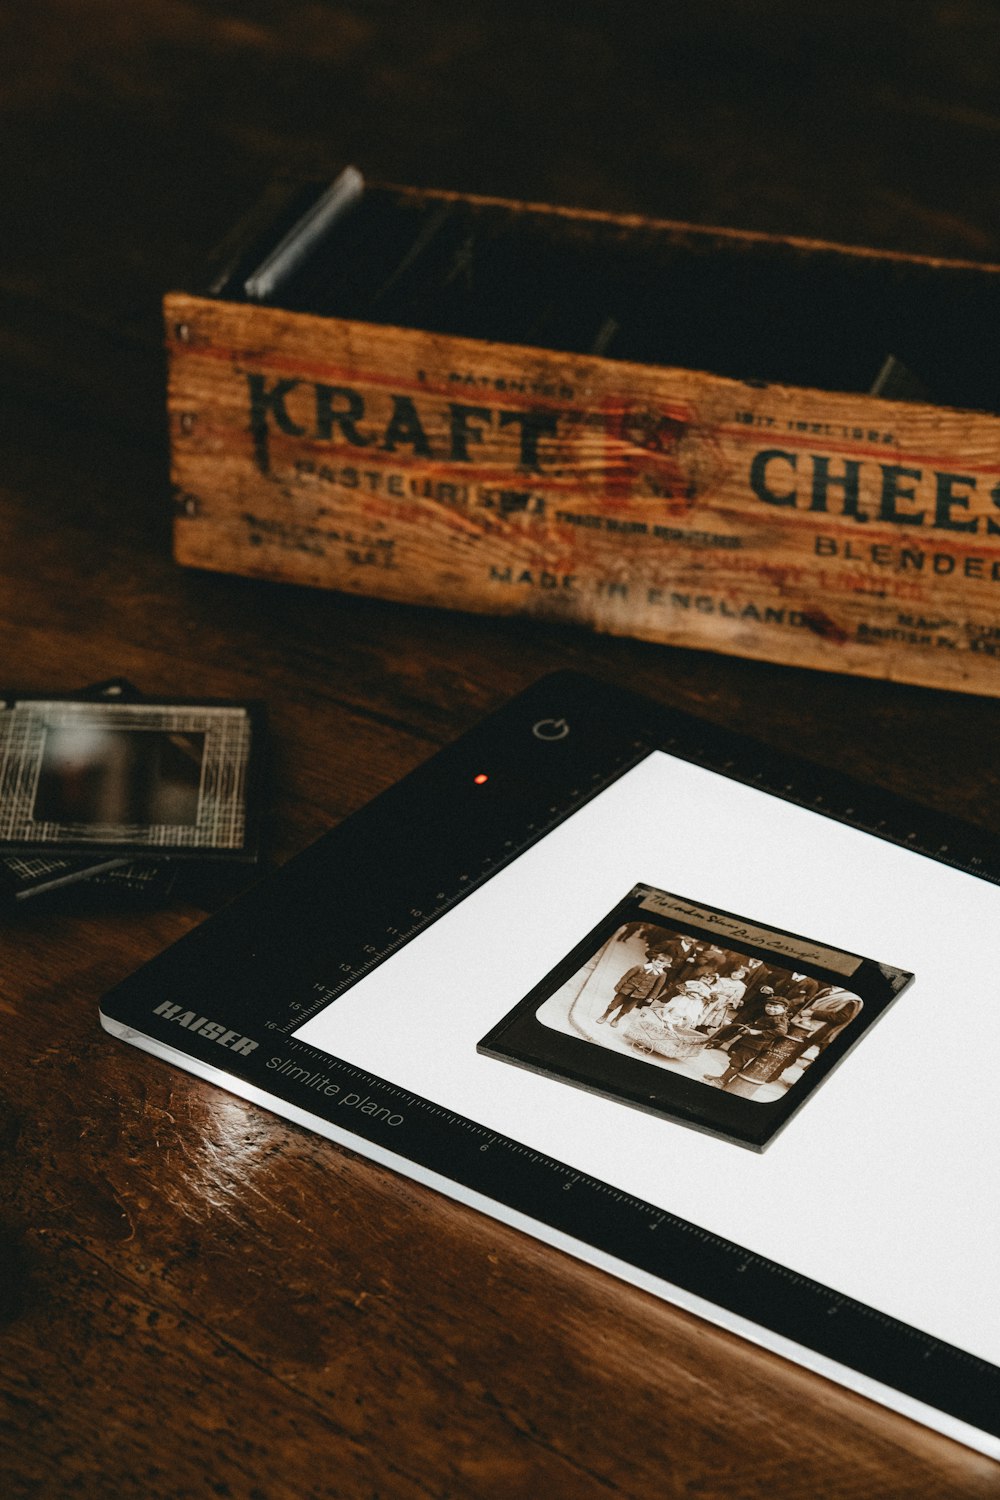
{"x": 305, "y": 1323}
{"x": 681, "y": 507}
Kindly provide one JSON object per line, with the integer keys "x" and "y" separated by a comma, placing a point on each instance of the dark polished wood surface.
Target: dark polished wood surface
{"x": 197, "y": 1299}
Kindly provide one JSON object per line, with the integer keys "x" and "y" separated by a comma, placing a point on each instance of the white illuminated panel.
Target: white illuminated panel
{"x": 883, "y": 1186}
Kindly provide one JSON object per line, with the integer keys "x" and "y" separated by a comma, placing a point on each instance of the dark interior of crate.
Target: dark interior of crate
{"x": 734, "y": 305}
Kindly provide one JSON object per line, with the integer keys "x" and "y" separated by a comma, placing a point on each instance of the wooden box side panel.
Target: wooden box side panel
{"x": 792, "y": 525}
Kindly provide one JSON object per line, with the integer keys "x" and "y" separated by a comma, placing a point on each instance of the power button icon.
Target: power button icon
{"x": 550, "y": 729}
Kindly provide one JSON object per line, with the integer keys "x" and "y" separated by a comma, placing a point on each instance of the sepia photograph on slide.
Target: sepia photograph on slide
{"x": 682, "y": 1009}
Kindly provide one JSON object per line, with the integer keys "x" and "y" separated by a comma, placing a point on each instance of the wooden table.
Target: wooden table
{"x": 196, "y": 1298}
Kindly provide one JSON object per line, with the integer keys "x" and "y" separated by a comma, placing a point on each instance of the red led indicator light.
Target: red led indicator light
{"x": 481, "y": 778}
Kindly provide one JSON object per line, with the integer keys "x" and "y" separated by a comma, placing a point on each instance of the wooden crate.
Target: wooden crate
{"x": 418, "y": 413}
